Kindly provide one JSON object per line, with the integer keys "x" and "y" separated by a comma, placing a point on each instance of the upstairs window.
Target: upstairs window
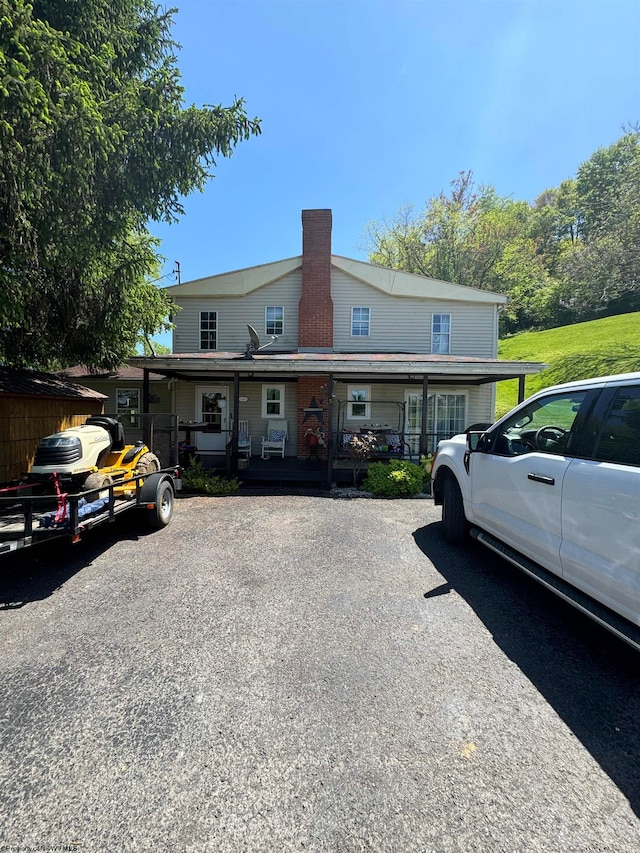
{"x": 274, "y": 320}
{"x": 360, "y": 322}
{"x": 208, "y": 330}
{"x": 441, "y": 334}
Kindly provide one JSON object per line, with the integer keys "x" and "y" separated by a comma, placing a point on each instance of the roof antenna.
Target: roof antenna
{"x": 254, "y": 342}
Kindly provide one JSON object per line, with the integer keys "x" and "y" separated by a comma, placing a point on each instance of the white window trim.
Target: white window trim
{"x": 269, "y": 415}
{"x": 200, "y": 347}
{"x": 433, "y": 317}
{"x": 350, "y": 402}
{"x": 266, "y": 308}
{"x": 360, "y": 308}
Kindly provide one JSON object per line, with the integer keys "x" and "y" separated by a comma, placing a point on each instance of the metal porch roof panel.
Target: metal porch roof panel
{"x": 308, "y": 363}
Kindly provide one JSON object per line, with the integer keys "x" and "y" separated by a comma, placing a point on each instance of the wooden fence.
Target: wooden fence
{"x": 24, "y": 421}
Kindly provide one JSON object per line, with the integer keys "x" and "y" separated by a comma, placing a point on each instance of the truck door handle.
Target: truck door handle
{"x": 538, "y": 478}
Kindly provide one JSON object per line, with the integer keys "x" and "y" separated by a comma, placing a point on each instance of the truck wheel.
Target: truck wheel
{"x": 454, "y": 523}
{"x": 148, "y": 463}
{"x": 161, "y": 514}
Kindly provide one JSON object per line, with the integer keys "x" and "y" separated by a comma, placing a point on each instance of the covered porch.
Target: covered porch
{"x": 393, "y": 397}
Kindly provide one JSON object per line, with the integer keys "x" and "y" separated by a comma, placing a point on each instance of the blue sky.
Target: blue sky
{"x": 369, "y": 105}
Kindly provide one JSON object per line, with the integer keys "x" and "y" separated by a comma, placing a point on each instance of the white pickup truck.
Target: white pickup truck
{"x": 554, "y": 487}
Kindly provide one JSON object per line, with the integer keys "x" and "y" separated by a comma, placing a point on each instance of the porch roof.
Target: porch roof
{"x": 388, "y": 366}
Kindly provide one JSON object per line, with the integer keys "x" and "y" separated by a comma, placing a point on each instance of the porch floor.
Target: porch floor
{"x": 287, "y": 471}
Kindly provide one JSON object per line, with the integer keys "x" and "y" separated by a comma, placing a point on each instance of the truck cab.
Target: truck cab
{"x": 556, "y": 482}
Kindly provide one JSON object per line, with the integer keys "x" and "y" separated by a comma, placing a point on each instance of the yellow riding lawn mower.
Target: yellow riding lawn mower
{"x": 91, "y": 456}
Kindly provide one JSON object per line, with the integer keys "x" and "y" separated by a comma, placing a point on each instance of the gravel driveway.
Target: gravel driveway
{"x": 302, "y": 673}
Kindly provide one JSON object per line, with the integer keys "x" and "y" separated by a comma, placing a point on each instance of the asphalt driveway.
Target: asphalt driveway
{"x": 301, "y": 673}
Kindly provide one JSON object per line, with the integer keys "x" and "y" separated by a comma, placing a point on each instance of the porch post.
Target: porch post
{"x": 232, "y": 447}
{"x": 330, "y": 439}
{"x": 424, "y": 440}
{"x": 521, "y": 388}
{"x": 146, "y": 421}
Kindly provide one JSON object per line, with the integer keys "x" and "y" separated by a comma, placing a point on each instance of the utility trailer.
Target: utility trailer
{"x": 28, "y": 519}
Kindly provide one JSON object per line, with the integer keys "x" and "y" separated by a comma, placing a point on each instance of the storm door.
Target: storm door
{"x": 212, "y": 408}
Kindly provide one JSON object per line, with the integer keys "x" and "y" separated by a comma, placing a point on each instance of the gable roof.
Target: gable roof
{"x": 238, "y": 282}
{"x": 393, "y": 282}
{"x": 400, "y": 283}
{"x": 31, "y": 383}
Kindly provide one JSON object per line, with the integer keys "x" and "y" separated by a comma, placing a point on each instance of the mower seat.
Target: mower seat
{"x": 112, "y": 426}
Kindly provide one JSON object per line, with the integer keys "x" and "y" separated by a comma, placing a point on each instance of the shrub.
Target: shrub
{"x": 399, "y": 477}
{"x": 198, "y": 479}
{"x": 361, "y": 448}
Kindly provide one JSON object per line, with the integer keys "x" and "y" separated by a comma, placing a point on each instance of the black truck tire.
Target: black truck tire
{"x": 454, "y": 522}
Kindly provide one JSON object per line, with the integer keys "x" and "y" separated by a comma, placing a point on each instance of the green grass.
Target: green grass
{"x": 580, "y": 351}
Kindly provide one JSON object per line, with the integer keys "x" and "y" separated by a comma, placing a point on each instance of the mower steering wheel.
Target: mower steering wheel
{"x": 555, "y": 434}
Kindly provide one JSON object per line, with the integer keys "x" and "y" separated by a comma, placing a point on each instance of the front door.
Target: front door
{"x": 212, "y": 408}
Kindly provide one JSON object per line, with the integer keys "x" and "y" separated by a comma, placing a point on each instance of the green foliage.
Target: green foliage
{"x": 570, "y": 256}
{"x": 95, "y": 142}
{"x": 361, "y": 448}
{"x": 397, "y": 478}
{"x": 198, "y": 479}
{"x": 579, "y": 351}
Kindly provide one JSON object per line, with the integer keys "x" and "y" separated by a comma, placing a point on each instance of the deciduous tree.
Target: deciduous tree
{"x": 95, "y": 142}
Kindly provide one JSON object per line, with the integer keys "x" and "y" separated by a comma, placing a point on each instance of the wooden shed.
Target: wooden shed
{"x": 33, "y": 405}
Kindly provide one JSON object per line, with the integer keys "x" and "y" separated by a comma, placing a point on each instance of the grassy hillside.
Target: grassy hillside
{"x": 597, "y": 348}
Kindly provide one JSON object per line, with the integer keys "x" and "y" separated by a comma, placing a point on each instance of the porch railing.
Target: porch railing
{"x": 390, "y": 444}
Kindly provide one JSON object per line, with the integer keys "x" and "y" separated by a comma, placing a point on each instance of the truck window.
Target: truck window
{"x": 620, "y": 435}
{"x": 544, "y": 425}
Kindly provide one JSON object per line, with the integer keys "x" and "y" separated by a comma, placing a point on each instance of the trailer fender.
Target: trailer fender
{"x": 157, "y": 496}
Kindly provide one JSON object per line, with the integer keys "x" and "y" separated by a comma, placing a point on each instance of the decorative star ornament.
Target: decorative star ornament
{"x": 314, "y": 411}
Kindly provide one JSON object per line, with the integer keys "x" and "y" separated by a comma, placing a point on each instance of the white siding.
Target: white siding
{"x": 398, "y": 324}
{"x": 403, "y": 324}
{"x": 251, "y": 410}
{"x": 235, "y": 312}
{"x": 387, "y": 403}
{"x": 160, "y": 389}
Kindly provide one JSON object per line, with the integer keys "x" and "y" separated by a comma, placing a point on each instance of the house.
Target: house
{"x": 32, "y": 406}
{"x": 122, "y": 391}
{"x": 331, "y": 345}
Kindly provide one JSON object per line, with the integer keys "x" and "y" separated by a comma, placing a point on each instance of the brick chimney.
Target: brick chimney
{"x": 315, "y": 312}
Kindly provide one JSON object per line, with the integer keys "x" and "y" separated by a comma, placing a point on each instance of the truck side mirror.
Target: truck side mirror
{"x": 473, "y": 441}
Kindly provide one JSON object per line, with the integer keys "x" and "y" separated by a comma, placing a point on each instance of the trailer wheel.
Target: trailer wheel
{"x": 148, "y": 463}
{"x": 161, "y": 514}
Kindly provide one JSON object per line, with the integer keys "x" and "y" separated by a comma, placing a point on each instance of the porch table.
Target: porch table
{"x": 190, "y": 426}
